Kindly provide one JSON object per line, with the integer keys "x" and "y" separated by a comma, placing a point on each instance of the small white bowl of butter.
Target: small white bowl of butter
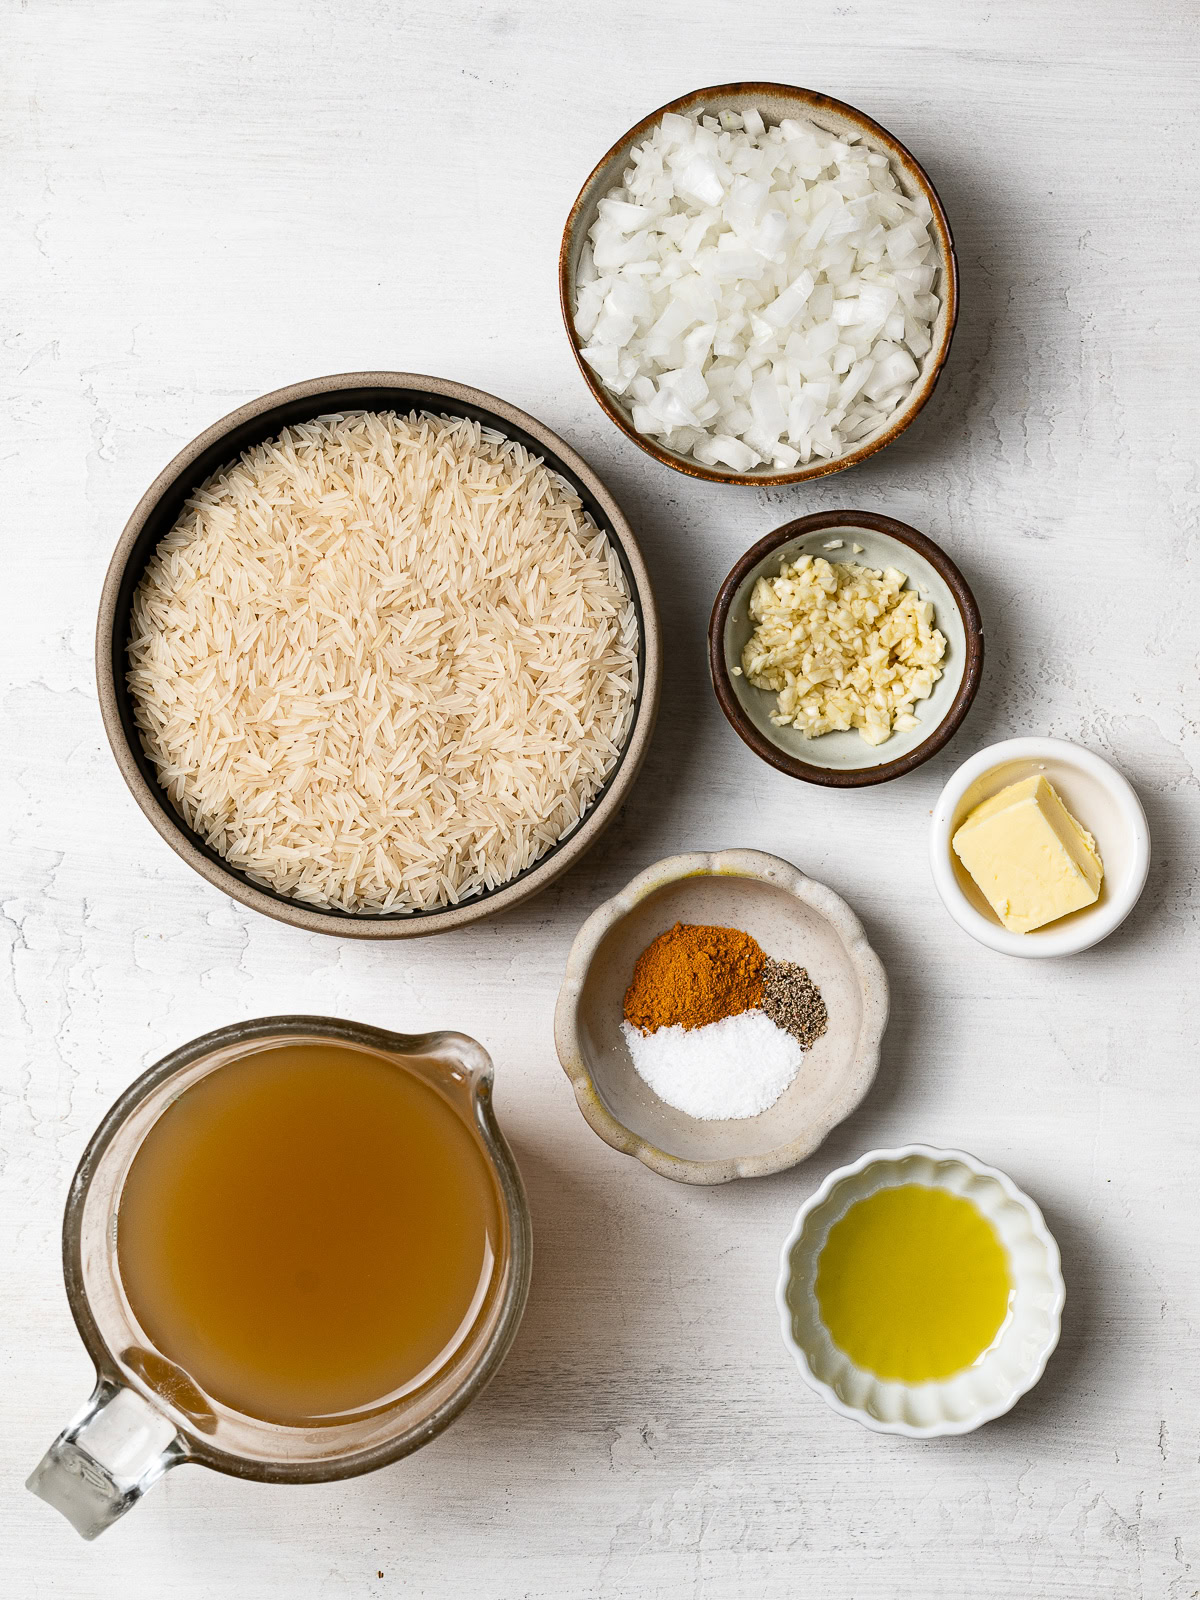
{"x": 1025, "y": 841}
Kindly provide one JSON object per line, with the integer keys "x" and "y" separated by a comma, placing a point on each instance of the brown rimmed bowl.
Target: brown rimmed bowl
{"x": 845, "y": 760}
{"x": 222, "y": 443}
{"x": 775, "y": 101}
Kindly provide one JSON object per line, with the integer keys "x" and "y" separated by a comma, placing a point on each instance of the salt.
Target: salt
{"x": 733, "y": 1068}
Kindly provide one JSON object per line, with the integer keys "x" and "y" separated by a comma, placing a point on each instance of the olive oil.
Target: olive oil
{"x": 309, "y": 1232}
{"x": 913, "y": 1283}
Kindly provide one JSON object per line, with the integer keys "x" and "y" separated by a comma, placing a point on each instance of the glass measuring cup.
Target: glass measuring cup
{"x": 145, "y": 1414}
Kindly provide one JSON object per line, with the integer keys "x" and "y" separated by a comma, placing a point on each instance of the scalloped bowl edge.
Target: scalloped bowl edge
{"x": 964, "y": 1401}
{"x": 735, "y": 863}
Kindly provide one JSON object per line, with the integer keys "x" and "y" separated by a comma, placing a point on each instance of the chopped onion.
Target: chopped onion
{"x": 757, "y": 295}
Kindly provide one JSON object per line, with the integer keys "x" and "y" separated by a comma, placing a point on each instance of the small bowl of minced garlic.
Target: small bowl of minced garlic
{"x": 1039, "y": 847}
{"x": 845, "y": 648}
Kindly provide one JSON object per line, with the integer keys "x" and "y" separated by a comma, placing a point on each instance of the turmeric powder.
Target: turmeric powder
{"x": 694, "y": 974}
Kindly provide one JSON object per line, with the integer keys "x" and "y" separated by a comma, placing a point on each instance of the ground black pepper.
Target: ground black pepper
{"x": 793, "y": 1002}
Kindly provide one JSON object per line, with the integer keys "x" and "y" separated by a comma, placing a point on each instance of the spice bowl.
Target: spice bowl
{"x": 1102, "y": 800}
{"x": 794, "y": 919}
{"x": 845, "y": 760}
{"x": 1024, "y": 1342}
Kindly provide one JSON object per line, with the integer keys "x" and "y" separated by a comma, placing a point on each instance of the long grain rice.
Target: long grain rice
{"x": 384, "y": 662}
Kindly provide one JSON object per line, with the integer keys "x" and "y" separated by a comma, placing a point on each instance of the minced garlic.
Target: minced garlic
{"x": 843, "y": 646}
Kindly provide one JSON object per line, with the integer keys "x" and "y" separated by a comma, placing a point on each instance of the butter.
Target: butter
{"x": 1031, "y": 859}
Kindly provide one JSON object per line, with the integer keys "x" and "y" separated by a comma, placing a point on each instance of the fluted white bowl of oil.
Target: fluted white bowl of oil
{"x": 920, "y": 1292}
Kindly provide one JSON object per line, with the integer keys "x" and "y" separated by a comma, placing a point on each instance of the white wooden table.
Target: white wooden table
{"x": 205, "y": 201}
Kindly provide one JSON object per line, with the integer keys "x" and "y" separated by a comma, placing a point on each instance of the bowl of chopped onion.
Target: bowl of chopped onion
{"x": 845, "y": 648}
{"x": 759, "y": 284}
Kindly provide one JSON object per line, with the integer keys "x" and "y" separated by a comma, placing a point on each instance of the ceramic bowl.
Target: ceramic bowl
{"x": 156, "y": 513}
{"x": 794, "y": 919}
{"x": 1100, "y": 798}
{"x": 1017, "y": 1357}
{"x": 775, "y": 101}
{"x": 845, "y": 760}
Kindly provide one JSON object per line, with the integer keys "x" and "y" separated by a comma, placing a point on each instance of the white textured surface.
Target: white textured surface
{"x": 205, "y": 201}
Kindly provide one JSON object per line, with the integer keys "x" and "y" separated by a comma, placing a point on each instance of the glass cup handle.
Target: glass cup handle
{"x": 105, "y": 1460}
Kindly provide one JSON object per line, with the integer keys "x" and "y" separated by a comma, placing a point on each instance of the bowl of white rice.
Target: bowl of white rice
{"x": 377, "y": 655}
{"x": 759, "y": 284}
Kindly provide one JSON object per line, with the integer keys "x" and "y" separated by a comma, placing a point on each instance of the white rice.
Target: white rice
{"x": 383, "y": 663}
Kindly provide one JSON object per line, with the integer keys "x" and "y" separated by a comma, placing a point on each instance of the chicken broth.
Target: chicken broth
{"x": 309, "y": 1232}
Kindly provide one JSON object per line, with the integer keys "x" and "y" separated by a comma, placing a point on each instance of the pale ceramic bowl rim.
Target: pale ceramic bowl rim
{"x": 1086, "y": 928}
{"x": 1038, "y": 1228}
{"x": 782, "y": 874}
{"x": 315, "y": 397}
{"x": 807, "y": 101}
